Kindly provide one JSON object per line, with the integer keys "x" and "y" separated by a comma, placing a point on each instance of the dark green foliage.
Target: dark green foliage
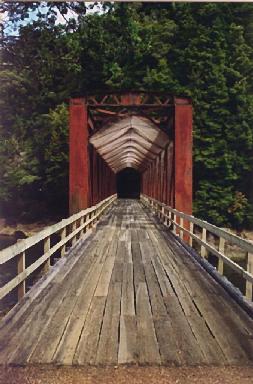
{"x": 201, "y": 50}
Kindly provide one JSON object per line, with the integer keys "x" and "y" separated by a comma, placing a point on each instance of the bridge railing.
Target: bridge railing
{"x": 183, "y": 226}
{"x": 68, "y": 230}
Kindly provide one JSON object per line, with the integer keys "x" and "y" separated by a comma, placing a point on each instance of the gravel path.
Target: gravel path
{"x": 128, "y": 375}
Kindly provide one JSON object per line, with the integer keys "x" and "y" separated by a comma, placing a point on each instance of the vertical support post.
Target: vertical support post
{"x": 221, "y": 250}
{"x": 63, "y": 235}
{"x": 81, "y": 223}
{"x": 21, "y": 268}
{"x": 174, "y": 221}
{"x": 89, "y": 218}
{"x": 249, "y": 289}
{"x": 181, "y": 223}
{"x": 183, "y": 155}
{"x": 73, "y": 228}
{"x": 77, "y": 226}
{"x": 85, "y": 218}
{"x": 203, "y": 238}
{"x": 166, "y": 217}
{"x": 46, "y": 265}
{"x": 162, "y": 215}
{"x": 92, "y": 218}
{"x": 169, "y": 198}
{"x": 79, "y": 167}
{"x": 191, "y": 231}
{"x": 169, "y": 217}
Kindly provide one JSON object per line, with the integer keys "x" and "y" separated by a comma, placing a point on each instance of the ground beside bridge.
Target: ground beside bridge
{"x": 126, "y": 375}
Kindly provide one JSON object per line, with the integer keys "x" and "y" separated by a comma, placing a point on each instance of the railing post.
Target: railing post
{"x": 181, "y": 232}
{"x": 73, "y": 228}
{"x": 84, "y": 221}
{"x": 191, "y": 231}
{"x": 96, "y": 214}
{"x": 162, "y": 215}
{"x": 46, "y": 265}
{"x": 249, "y": 289}
{"x": 82, "y": 230}
{"x": 21, "y": 268}
{"x": 77, "y": 225}
{"x": 169, "y": 217}
{"x": 92, "y": 218}
{"x": 89, "y": 218}
{"x": 63, "y": 235}
{"x": 221, "y": 250}
{"x": 166, "y": 217}
{"x": 174, "y": 221}
{"x": 203, "y": 238}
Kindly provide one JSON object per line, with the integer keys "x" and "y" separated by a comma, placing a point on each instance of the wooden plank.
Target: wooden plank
{"x": 107, "y": 352}
{"x": 128, "y": 300}
{"x": 20, "y": 269}
{"x": 163, "y": 324}
{"x": 128, "y": 352}
{"x": 221, "y": 250}
{"x": 63, "y": 235}
{"x": 104, "y": 281}
{"x": 134, "y": 235}
{"x": 87, "y": 347}
{"x": 121, "y": 252}
{"x": 128, "y": 349}
{"x": 47, "y": 246}
{"x": 139, "y": 276}
{"x": 146, "y": 337}
{"x": 203, "y": 238}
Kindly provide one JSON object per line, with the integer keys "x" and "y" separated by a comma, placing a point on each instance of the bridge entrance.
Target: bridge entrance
{"x": 148, "y": 132}
{"x": 128, "y": 184}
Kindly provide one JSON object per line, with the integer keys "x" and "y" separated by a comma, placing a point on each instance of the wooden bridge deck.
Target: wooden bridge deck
{"x": 129, "y": 294}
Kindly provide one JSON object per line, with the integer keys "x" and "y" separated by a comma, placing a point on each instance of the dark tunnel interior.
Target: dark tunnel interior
{"x": 128, "y": 184}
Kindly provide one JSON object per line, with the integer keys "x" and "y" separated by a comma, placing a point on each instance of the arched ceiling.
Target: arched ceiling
{"x": 132, "y": 141}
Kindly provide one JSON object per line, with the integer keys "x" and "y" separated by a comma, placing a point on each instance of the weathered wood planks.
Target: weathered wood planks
{"x": 129, "y": 295}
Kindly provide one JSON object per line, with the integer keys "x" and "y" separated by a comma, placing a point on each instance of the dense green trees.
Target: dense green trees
{"x": 202, "y": 50}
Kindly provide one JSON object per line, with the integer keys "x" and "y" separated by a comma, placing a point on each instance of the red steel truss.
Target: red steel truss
{"x": 166, "y": 176}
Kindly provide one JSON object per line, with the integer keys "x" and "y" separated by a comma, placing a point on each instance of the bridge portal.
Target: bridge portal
{"x": 148, "y": 132}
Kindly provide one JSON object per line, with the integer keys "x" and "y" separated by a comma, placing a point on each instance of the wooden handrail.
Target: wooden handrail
{"x": 78, "y": 223}
{"x": 183, "y": 226}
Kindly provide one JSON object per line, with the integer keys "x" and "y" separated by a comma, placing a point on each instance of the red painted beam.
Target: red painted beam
{"x": 79, "y": 191}
{"x": 130, "y": 98}
{"x": 183, "y": 155}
